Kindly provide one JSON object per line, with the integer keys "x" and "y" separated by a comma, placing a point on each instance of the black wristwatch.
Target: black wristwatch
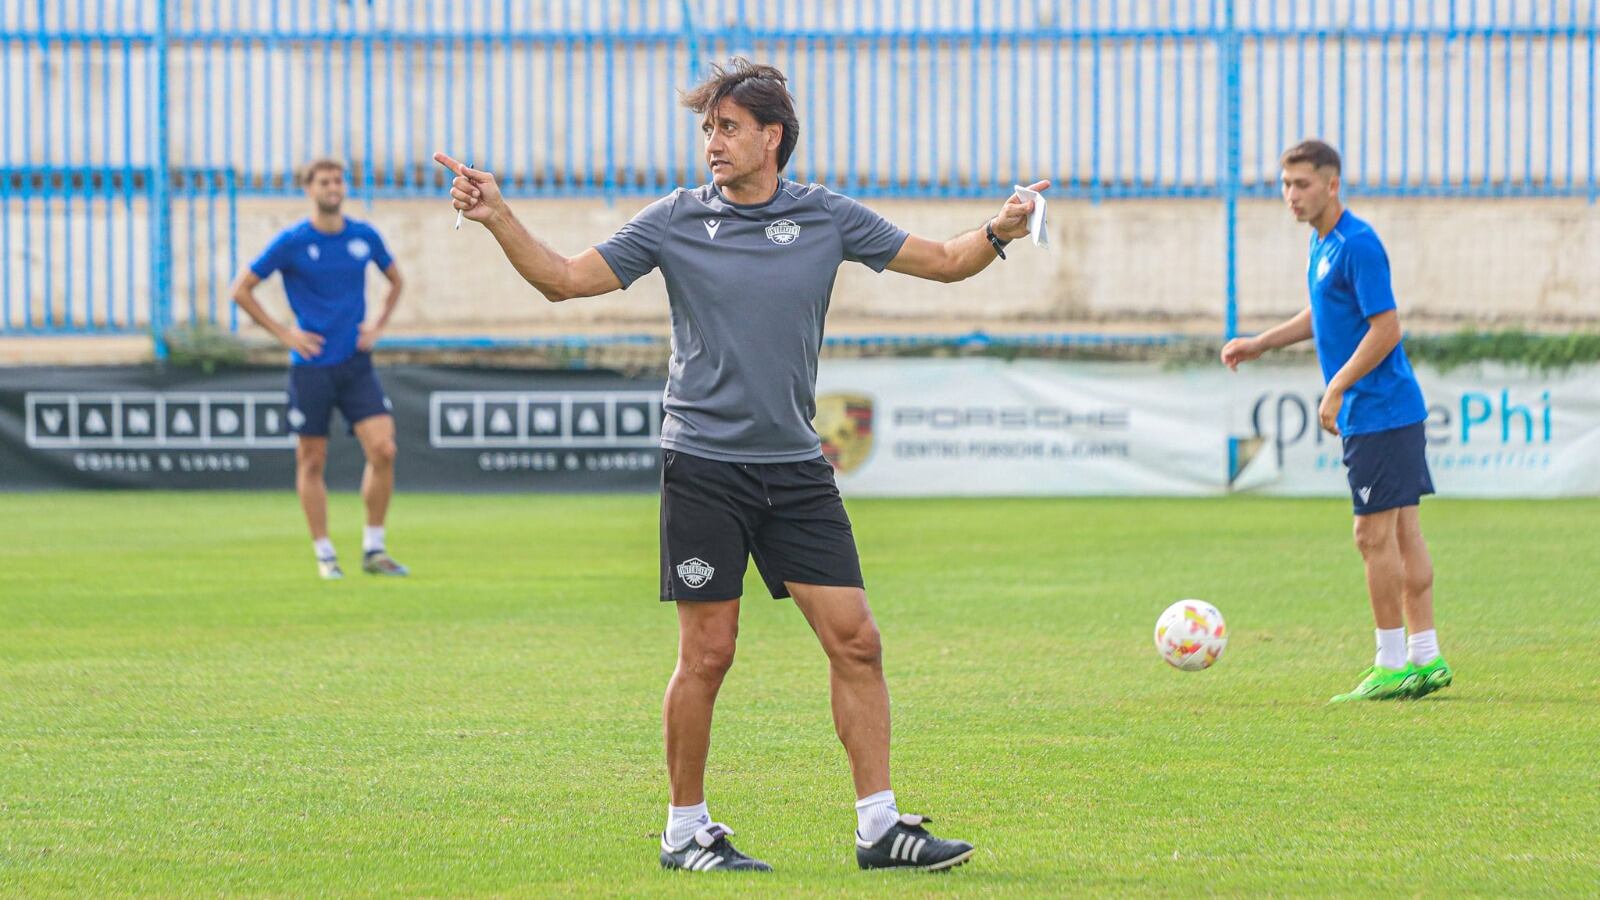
{"x": 994, "y": 239}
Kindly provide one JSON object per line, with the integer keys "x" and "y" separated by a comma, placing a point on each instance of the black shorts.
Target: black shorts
{"x": 716, "y": 515}
{"x": 351, "y": 385}
{"x": 1388, "y": 469}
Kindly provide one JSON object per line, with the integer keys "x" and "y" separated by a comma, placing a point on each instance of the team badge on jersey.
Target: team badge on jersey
{"x": 359, "y": 248}
{"x": 783, "y": 231}
{"x": 314, "y": 252}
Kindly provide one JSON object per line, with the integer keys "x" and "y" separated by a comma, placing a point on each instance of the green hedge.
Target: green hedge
{"x": 1536, "y": 351}
{"x": 205, "y": 346}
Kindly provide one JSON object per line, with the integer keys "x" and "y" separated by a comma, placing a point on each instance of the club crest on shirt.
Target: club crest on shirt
{"x": 783, "y": 231}
{"x": 1323, "y": 266}
{"x": 313, "y": 251}
{"x": 359, "y": 248}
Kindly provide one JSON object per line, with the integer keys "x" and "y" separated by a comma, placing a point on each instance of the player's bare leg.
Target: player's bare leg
{"x": 860, "y": 696}
{"x": 1380, "y": 553}
{"x": 707, "y": 633}
{"x": 1429, "y": 671}
{"x": 1375, "y": 536}
{"x": 310, "y": 462}
{"x": 376, "y": 434}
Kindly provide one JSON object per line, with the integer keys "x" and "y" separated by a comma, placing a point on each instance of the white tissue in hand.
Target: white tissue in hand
{"x": 1036, "y": 219}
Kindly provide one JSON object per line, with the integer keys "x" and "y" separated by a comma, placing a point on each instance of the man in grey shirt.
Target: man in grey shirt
{"x": 749, "y": 261}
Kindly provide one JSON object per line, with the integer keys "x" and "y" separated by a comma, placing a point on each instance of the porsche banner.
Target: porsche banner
{"x": 992, "y": 427}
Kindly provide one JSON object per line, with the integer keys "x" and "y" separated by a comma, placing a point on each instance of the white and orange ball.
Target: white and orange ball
{"x": 1191, "y": 635}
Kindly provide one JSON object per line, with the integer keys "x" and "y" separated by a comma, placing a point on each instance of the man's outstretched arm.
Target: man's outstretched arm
{"x": 1243, "y": 349}
{"x": 964, "y": 255}
{"x": 557, "y": 277}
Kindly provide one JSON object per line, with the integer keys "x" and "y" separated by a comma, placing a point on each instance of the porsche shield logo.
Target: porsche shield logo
{"x": 844, "y": 422}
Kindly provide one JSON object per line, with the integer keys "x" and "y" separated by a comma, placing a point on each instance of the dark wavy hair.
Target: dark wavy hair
{"x": 761, "y": 89}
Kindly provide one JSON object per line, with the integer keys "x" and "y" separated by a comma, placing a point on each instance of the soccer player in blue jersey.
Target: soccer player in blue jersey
{"x": 1373, "y": 403}
{"x": 324, "y": 263}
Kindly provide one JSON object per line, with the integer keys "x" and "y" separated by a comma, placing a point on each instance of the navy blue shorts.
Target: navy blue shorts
{"x": 351, "y": 385}
{"x": 1388, "y": 469}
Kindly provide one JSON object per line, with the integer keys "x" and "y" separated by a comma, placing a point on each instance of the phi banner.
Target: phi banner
{"x": 1493, "y": 431}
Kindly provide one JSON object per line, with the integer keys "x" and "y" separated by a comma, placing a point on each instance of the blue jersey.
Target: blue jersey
{"x": 1348, "y": 274}
{"x": 325, "y": 276}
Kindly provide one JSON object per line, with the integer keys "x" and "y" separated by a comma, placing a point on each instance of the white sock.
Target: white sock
{"x": 1423, "y": 647}
{"x": 323, "y": 548}
{"x": 371, "y": 538}
{"x": 1391, "y": 648}
{"x": 875, "y": 814}
{"x": 683, "y": 822}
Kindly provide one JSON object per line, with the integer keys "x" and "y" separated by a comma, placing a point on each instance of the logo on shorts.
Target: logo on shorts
{"x": 844, "y": 422}
{"x": 783, "y": 231}
{"x": 695, "y": 571}
{"x": 359, "y": 248}
{"x": 1366, "y": 493}
{"x": 296, "y": 417}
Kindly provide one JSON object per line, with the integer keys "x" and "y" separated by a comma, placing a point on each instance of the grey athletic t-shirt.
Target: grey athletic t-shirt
{"x": 749, "y": 286}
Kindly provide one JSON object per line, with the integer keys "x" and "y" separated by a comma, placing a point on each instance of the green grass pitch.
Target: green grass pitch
{"x": 185, "y": 709}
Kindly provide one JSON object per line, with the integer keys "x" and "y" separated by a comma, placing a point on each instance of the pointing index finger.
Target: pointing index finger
{"x": 456, "y": 166}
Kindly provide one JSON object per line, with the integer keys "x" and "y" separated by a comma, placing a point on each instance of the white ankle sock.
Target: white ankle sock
{"x": 371, "y": 538}
{"x": 1391, "y": 648}
{"x": 875, "y": 814}
{"x": 1423, "y": 647}
{"x": 323, "y": 548}
{"x": 683, "y": 822}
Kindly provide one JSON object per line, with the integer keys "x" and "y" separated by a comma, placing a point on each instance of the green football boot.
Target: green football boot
{"x": 1378, "y": 683}
{"x": 1424, "y": 680}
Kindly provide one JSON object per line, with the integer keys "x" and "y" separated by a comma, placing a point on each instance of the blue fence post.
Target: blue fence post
{"x": 160, "y": 196}
{"x": 1230, "y": 176}
{"x": 1230, "y": 165}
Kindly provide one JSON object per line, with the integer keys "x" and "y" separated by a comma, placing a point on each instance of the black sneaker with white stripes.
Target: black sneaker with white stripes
{"x": 709, "y": 851}
{"x": 907, "y": 845}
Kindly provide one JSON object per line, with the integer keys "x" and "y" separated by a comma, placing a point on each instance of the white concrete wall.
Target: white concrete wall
{"x": 1156, "y": 263}
{"x": 1491, "y": 261}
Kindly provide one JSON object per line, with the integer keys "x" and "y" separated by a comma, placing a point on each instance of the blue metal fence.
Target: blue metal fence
{"x": 939, "y": 98}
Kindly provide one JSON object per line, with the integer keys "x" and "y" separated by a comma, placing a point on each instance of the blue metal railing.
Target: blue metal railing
{"x": 940, "y": 98}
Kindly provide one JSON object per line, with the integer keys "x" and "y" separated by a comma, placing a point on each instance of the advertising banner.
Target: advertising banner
{"x": 993, "y": 427}
{"x": 457, "y": 430}
{"x": 891, "y": 427}
{"x": 1493, "y": 431}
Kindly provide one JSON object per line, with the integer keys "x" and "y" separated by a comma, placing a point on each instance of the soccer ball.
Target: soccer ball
{"x": 1191, "y": 635}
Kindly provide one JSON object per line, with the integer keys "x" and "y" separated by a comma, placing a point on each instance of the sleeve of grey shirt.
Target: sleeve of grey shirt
{"x": 868, "y": 238}
{"x": 634, "y": 251}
